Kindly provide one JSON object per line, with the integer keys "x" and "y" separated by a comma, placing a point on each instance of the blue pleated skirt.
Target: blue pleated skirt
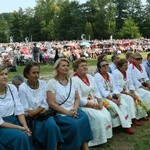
{"x": 48, "y": 134}
{"x": 75, "y": 131}
{"x": 14, "y": 139}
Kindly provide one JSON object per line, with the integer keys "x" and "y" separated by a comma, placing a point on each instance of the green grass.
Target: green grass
{"x": 122, "y": 141}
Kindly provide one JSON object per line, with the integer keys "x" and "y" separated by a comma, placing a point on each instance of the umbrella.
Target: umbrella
{"x": 87, "y": 44}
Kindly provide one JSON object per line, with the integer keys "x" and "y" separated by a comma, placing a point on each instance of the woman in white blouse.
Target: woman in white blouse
{"x": 14, "y": 132}
{"x": 140, "y": 78}
{"x": 63, "y": 97}
{"x": 125, "y": 86}
{"x": 108, "y": 90}
{"x": 33, "y": 97}
{"x": 92, "y": 104}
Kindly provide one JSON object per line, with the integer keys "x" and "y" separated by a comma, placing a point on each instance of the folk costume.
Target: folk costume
{"x": 124, "y": 82}
{"x": 106, "y": 87}
{"x": 139, "y": 77}
{"x": 100, "y": 120}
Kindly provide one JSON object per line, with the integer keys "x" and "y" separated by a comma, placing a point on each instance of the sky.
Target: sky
{"x": 11, "y": 5}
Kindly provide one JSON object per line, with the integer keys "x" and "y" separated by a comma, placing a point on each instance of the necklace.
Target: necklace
{"x": 4, "y": 95}
{"x": 33, "y": 86}
{"x": 64, "y": 84}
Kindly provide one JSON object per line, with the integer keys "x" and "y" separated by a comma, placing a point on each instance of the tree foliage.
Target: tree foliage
{"x": 129, "y": 29}
{"x": 66, "y": 20}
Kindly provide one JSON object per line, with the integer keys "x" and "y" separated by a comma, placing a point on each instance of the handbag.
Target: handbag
{"x": 51, "y": 112}
{"x": 45, "y": 115}
{"x": 145, "y": 84}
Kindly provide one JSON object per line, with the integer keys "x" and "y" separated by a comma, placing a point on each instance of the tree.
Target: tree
{"x": 96, "y": 15}
{"x": 45, "y": 13}
{"x": 18, "y": 23}
{"x": 122, "y": 12}
{"x": 70, "y": 25}
{"x": 129, "y": 29}
{"x": 110, "y": 18}
{"x": 3, "y": 30}
{"x": 89, "y": 30}
{"x": 145, "y": 25}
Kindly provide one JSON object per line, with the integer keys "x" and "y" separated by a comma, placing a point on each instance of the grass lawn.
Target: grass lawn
{"x": 120, "y": 141}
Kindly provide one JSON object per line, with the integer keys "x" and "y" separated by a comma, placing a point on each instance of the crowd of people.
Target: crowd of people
{"x": 12, "y": 54}
{"x": 87, "y": 106}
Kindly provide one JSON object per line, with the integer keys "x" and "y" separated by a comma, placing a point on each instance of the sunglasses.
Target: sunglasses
{"x": 104, "y": 65}
{"x": 138, "y": 59}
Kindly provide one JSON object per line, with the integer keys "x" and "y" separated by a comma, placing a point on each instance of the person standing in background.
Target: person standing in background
{"x": 36, "y": 53}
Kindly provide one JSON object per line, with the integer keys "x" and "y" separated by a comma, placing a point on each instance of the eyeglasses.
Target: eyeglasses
{"x": 138, "y": 59}
{"x": 104, "y": 65}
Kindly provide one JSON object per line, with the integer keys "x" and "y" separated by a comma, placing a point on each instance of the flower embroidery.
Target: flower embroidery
{"x": 111, "y": 110}
{"x": 126, "y": 117}
{"x": 108, "y": 127}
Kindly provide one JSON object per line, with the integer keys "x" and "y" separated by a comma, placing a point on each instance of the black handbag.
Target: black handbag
{"x": 45, "y": 115}
{"x": 145, "y": 84}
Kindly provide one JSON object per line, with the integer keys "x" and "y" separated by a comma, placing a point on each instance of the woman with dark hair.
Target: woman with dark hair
{"x": 32, "y": 93}
{"x": 63, "y": 97}
{"x": 110, "y": 93}
{"x": 14, "y": 132}
{"x": 125, "y": 86}
{"x": 100, "y": 58}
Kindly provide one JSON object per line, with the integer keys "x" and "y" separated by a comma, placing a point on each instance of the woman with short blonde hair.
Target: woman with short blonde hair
{"x": 62, "y": 96}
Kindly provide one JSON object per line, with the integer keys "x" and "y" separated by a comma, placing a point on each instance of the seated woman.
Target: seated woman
{"x": 14, "y": 132}
{"x": 33, "y": 97}
{"x": 63, "y": 97}
{"x": 91, "y": 103}
{"x": 140, "y": 78}
{"x": 108, "y": 90}
{"x": 124, "y": 84}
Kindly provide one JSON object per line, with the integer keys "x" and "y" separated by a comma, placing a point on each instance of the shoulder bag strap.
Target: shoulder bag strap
{"x": 68, "y": 94}
{"x": 11, "y": 94}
